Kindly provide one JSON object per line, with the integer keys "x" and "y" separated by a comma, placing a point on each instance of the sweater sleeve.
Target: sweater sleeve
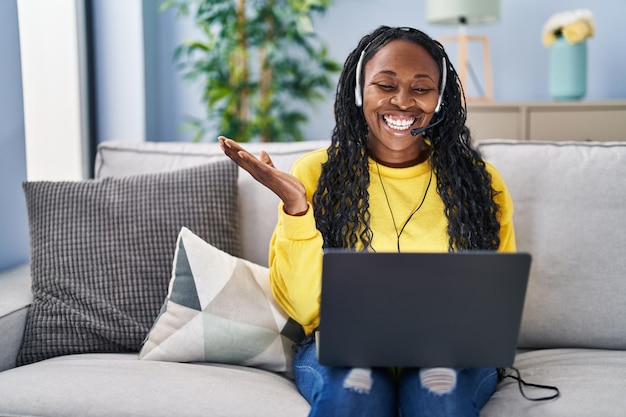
{"x": 505, "y": 202}
{"x": 295, "y": 255}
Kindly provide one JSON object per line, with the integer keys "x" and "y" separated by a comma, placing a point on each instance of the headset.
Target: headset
{"x": 358, "y": 93}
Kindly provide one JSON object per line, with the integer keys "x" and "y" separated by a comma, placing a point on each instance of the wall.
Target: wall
{"x": 119, "y": 69}
{"x": 520, "y": 61}
{"x": 13, "y": 221}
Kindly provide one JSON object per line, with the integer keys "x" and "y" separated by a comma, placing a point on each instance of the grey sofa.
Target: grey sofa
{"x": 570, "y": 202}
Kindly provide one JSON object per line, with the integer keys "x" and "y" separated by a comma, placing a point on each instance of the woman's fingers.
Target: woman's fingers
{"x": 262, "y": 169}
{"x": 246, "y": 160}
{"x": 265, "y": 158}
{"x": 232, "y": 149}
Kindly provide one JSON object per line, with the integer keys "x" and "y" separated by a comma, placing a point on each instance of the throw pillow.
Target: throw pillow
{"x": 220, "y": 309}
{"x": 101, "y": 253}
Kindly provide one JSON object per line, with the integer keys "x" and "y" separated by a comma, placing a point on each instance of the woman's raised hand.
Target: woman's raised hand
{"x": 287, "y": 187}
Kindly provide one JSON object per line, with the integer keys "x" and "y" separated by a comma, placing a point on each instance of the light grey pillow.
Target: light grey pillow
{"x": 102, "y": 250}
{"x": 569, "y": 200}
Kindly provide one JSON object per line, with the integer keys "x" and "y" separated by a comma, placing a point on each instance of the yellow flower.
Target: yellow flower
{"x": 548, "y": 38}
{"x": 577, "y": 31}
{"x": 575, "y": 26}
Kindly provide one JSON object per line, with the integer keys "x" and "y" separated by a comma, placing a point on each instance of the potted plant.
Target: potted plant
{"x": 256, "y": 60}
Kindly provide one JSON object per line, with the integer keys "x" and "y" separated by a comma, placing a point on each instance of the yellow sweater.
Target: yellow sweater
{"x": 295, "y": 256}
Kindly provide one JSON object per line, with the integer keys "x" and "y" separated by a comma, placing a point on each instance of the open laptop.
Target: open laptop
{"x": 421, "y": 309}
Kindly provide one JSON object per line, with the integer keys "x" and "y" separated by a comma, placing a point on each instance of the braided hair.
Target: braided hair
{"x": 463, "y": 182}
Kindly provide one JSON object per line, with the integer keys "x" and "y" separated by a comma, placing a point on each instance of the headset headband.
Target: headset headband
{"x": 358, "y": 94}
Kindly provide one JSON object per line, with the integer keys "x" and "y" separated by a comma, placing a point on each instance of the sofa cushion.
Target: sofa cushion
{"x": 592, "y": 383}
{"x": 569, "y": 200}
{"x": 220, "y": 308}
{"x": 101, "y": 253}
{"x": 256, "y": 204}
{"x": 15, "y": 298}
{"x": 103, "y": 385}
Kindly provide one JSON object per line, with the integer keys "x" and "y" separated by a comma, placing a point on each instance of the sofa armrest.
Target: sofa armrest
{"x": 15, "y": 299}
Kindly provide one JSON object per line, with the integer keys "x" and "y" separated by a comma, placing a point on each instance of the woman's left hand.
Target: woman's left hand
{"x": 287, "y": 187}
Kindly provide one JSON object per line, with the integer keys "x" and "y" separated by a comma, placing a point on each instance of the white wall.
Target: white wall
{"x": 51, "y": 80}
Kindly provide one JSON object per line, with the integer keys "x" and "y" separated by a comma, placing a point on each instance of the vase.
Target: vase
{"x": 568, "y": 70}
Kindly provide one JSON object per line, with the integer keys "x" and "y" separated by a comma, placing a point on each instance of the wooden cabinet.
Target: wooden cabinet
{"x": 560, "y": 121}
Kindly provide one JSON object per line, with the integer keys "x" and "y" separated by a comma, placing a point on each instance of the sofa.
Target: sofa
{"x": 570, "y": 201}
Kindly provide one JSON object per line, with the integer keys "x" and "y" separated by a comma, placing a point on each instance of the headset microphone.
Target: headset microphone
{"x": 418, "y": 130}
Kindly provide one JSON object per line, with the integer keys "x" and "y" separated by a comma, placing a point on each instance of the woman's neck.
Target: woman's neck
{"x": 401, "y": 159}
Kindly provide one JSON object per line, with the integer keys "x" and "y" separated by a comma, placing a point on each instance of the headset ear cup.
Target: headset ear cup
{"x": 358, "y": 94}
{"x": 444, "y": 80}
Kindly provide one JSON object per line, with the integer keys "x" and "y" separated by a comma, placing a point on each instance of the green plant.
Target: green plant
{"x": 256, "y": 62}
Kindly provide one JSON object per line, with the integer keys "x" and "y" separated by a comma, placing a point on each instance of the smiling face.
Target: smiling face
{"x": 400, "y": 92}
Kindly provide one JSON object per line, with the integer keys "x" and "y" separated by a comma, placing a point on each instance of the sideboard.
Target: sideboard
{"x": 560, "y": 121}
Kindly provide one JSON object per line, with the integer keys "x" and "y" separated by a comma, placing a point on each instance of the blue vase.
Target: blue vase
{"x": 568, "y": 70}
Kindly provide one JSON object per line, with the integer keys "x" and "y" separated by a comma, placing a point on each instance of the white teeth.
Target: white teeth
{"x": 397, "y": 123}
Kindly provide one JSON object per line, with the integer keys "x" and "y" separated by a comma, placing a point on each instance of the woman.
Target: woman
{"x": 400, "y": 174}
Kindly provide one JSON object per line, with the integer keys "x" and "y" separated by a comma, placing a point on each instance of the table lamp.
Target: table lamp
{"x": 463, "y": 13}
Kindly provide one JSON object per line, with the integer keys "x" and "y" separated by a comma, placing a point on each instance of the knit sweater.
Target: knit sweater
{"x": 295, "y": 256}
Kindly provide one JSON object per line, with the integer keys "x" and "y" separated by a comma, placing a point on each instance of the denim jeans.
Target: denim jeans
{"x": 381, "y": 392}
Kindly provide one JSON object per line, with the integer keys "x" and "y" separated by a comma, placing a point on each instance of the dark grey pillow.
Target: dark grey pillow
{"x": 102, "y": 253}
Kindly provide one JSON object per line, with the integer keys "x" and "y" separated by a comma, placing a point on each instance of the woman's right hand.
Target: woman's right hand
{"x": 287, "y": 187}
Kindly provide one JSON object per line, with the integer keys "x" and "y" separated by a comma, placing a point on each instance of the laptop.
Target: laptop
{"x": 421, "y": 309}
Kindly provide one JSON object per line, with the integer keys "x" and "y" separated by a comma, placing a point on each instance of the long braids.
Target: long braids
{"x": 341, "y": 201}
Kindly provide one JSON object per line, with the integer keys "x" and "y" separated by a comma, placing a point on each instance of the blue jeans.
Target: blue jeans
{"x": 381, "y": 392}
